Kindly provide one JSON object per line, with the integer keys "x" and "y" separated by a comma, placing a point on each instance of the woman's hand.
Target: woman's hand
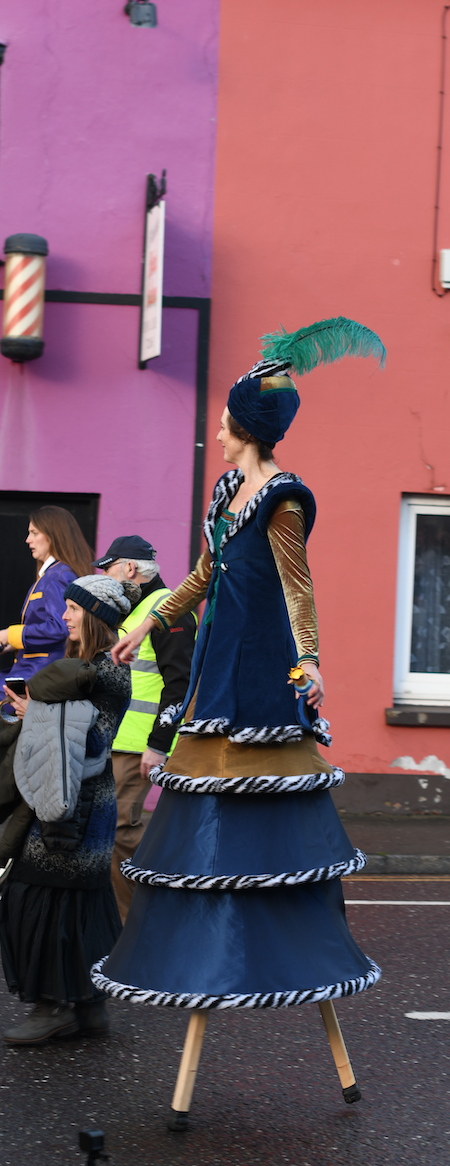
{"x": 148, "y": 761}
{"x": 316, "y": 695}
{"x": 123, "y": 651}
{"x": 4, "y": 645}
{"x": 19, "y": 703}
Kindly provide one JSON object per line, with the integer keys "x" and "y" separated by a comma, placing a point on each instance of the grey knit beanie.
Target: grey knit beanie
{"x": 104, "y": 597}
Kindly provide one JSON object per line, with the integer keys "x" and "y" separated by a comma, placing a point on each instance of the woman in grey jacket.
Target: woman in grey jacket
{"x": 58, "y": 909}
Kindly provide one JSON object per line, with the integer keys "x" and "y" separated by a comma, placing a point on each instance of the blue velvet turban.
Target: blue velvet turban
{"x": 266, "y": 413}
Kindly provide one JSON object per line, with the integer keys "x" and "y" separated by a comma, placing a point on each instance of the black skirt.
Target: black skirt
{"x": 50, "y": 937}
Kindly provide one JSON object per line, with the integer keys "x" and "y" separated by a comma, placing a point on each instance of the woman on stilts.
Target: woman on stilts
{"x": 239, "y": 900}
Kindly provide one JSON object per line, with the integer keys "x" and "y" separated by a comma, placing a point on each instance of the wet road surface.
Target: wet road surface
{"x": 267, "y": 1091}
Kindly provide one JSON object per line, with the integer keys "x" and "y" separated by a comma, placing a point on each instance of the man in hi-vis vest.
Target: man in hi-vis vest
{"x": 159, "y": 677}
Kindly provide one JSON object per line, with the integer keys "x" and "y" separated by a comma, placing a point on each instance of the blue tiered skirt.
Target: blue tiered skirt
{"x": 238, "y": 898}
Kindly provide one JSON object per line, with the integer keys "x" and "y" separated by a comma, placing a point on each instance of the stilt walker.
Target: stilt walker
{"x": 238, "y": 901}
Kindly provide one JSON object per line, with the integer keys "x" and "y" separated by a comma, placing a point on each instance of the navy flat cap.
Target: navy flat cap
{"x": 131, "y": 546}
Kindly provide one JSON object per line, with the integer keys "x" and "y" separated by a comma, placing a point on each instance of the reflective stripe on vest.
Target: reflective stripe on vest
{"x": 146, "y": 683}
{"x": 144, "y": 666}
{"x": 143, "y": 706}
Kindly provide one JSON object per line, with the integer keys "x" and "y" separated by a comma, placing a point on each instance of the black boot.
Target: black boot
{"x": 47, "y": 1020}
{"x": 92, "y": 1017}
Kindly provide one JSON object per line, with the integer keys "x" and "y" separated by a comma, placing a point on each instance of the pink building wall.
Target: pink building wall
{"x": 325, "y": 191}
{"x": 90, "y": 105}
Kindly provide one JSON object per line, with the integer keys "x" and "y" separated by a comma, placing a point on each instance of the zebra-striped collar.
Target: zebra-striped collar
{"x": 225, "y": 490}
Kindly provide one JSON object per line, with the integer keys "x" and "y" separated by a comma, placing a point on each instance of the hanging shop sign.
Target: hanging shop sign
{"x": 23, "y": 297}
{"x": 152, "y": 273}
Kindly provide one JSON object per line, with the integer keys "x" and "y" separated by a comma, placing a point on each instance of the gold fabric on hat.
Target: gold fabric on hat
{"x": 283, "y": 382}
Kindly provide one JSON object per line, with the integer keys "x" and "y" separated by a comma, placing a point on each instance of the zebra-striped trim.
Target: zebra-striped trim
{"x": 266, "y": 368}
{"x": 320, "y": 728}
{"x": 278, "y": 734}
{"x": 262, "y": 784}
{"x": 237, "y": 1000}
{"x": 180, "y": 882}
{"x": 213, "y": 727}
{"x": 255, "y": 734}
{"x": 225, "y": 491}
{"x": 168, "y": 714}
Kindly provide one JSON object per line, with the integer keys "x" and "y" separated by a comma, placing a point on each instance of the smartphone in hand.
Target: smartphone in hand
{"x": 17, "y": 684}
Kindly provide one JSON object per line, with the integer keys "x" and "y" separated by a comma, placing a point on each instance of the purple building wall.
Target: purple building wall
{"x": 89, "y": 106}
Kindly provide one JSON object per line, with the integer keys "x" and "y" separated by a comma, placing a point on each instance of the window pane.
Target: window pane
{"x": 430, "y": 644}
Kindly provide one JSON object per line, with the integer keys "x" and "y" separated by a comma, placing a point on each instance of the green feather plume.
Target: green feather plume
{"x": 322, "y": 343}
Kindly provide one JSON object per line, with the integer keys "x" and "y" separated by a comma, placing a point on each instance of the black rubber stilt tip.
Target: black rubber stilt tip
{"x": 178, "y": 1120}
{"x": 351, "y": 1094}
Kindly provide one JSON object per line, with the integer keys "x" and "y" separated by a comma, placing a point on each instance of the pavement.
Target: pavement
{"x": 410, "y": 844}
{"x": 267, "y": 1092}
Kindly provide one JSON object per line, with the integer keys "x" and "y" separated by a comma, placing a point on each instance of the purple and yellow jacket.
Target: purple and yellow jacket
{"x": 41, "y": 637}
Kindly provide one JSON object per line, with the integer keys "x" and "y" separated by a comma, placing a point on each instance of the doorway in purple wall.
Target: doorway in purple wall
{"x": 18, "y": 569}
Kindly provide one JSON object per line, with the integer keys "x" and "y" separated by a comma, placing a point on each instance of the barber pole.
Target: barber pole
{"x": 23, "y": 309}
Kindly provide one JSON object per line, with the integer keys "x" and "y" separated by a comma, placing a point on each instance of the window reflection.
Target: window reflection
{"x": 430, "y": 642}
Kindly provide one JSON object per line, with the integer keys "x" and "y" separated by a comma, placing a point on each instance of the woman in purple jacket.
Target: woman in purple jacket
{"x": 62, "y": 555}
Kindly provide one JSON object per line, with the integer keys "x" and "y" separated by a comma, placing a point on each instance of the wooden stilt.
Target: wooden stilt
{"x": 350, "y": 1089}
{"x": 184, "y": 1088}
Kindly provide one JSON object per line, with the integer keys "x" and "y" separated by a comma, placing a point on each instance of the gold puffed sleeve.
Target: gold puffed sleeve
{"x": 286, "y": 534}
{"x": 190, "y": 592}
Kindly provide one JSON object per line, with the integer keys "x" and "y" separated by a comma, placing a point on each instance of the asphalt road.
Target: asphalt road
{"x": 267, "y": 1091}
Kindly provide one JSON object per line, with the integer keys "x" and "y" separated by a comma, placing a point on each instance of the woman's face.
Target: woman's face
{"x": 38, "y": 543}
{"x": 73, "y": 618}
{"x": 232, "y": 446}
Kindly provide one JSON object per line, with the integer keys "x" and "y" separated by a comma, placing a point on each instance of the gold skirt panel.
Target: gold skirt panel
{"x": 197, "y": 756}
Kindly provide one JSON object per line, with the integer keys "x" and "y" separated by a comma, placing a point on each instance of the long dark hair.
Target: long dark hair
{"x": 67, "y": 542}
{"x": 265, "y": 451}
{"x": 95, "y": 637}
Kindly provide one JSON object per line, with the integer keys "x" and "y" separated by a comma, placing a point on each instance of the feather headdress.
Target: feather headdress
{"x": 321, "y": 343}
{"x": 267, "y": 409}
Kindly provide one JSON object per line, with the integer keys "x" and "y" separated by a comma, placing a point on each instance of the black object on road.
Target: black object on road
{"x": 92, "y": 1142}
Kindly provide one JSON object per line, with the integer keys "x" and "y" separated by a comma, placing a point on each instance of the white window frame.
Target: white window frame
{"x": 416, "y": 688}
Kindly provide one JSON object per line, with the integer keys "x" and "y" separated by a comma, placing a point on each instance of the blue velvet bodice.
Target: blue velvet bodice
{"x": 242, "y": 658}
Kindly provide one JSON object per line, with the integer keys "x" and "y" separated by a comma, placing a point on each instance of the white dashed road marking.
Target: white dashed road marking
{"x": 428, "y": 1015}
{"x": 397, "y": 902}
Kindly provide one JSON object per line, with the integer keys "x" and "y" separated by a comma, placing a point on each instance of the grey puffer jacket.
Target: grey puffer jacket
{"x": 50, "y": 761}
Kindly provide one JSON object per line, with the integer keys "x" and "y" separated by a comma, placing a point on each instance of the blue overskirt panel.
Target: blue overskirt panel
{"x": 210, "y": 945}
{"x": 220, "y": 948}
{"x": 229, "y": 834}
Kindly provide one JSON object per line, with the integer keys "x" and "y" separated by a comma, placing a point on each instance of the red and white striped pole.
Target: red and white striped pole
{"x": 23, "y": 297}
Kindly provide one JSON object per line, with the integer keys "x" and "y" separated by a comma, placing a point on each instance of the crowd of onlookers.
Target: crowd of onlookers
{"x": 78, "y": 738}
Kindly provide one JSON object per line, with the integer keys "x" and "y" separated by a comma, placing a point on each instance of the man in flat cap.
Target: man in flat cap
{"x": 159, "y": 677}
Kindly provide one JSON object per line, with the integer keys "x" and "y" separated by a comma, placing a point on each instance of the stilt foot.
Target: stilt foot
{"x": 178, "y": 1120}
{"x": 352, "y": 1093}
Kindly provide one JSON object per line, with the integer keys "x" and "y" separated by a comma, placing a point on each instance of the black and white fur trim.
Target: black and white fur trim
{"x": 237, "y": 1000}
{"x": 212, "y": 727}
{"x": 255, "y": 734}
{"x": 320, "y": 728}
{"x": 225, "y": 491}
{"x": 181, "y": 882}
{"x": 266, "y": 368}
{"x": 278, "y": 734}
{"x": 262, "y": 784}
{"x": 168, "y": 714}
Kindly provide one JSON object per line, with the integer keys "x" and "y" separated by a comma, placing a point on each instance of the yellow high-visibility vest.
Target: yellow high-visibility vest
{"x": 146, "y": 683}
